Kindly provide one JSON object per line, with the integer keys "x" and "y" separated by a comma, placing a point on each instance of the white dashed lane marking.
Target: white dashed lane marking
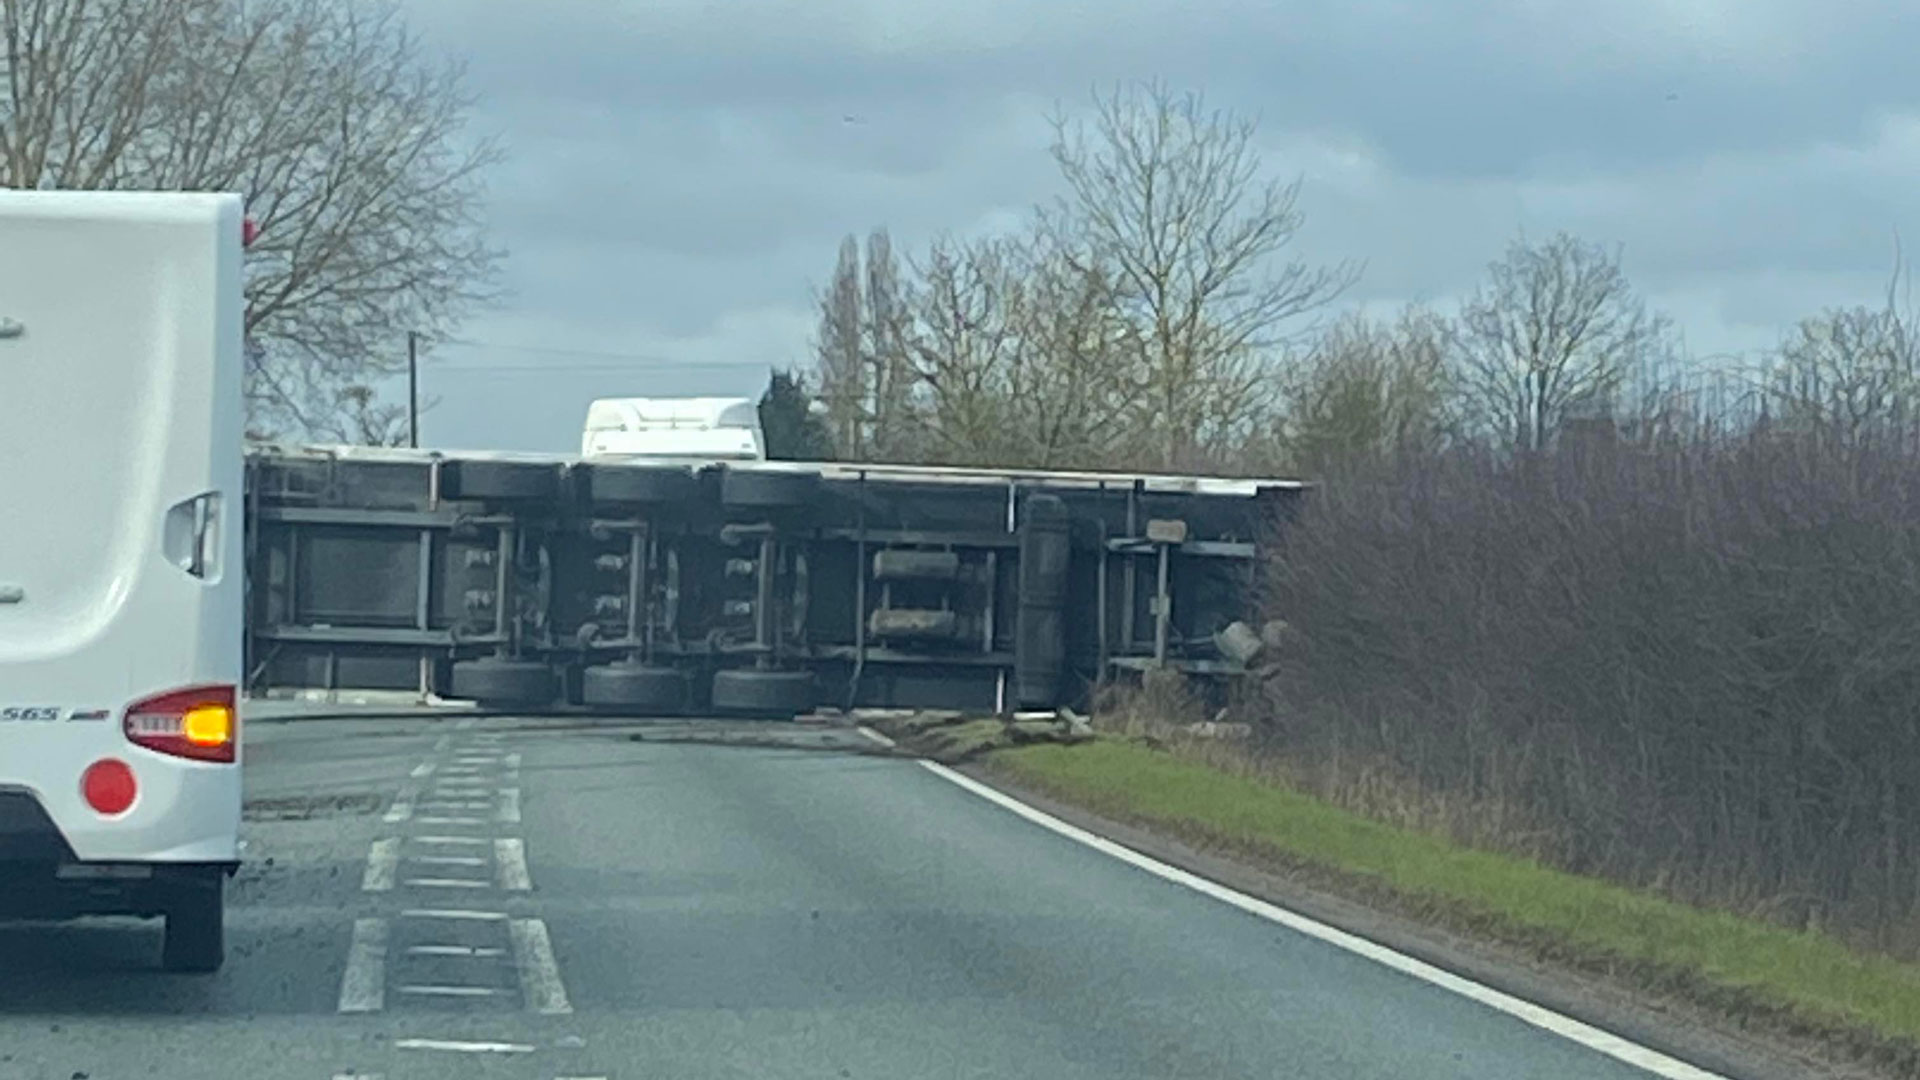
{"x": 539, "y": 971}
{"x": 444, "y": 883}
{"x": 382, "y": 859}
{"x": 450, "y": 860}
{"x": 363, "y": 988}
{"x": 402, "y": 808}
{"x": 477, "y": 952}
{"x": 509, "y": 811}
{"x": 510, "y": 864}
{"x": 463, "y": 1046}
{"x": 452, "y": 913}
{"x": 451, "y": 991}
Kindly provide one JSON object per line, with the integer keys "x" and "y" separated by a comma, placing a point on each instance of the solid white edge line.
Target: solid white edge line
{"x": 539, "y": 971}
{"x": 435, "y": 819}
{"x": 510, "y": 864}
{"x": 467, "y": 841}
{"x": 462, "y": 1046}
{"x": 1566, "y": 1027}
{"x": 450, "y": 860}
{"x": 875, "y": 736}
{"x": 432, "y": 990}
{"x": 452, "y": 913}
{"x": 363, "y": 988}
{"x": 383, "y": 858}
{"x": 509, "y": 812}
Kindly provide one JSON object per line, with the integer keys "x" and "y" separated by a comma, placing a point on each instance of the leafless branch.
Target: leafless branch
{"x": 349, "y": 141}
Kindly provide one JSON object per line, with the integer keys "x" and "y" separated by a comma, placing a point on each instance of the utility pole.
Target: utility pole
{"x": 413, "y": 389}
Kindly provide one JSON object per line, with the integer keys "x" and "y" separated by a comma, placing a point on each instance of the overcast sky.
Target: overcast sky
{"x": 681, "y": 172}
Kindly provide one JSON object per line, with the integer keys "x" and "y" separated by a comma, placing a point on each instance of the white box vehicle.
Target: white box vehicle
{"x": 673, "y": 429}
{"x": 121, "y": 576}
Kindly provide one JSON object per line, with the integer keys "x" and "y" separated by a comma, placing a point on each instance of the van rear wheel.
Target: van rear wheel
{"x": 196, "y": 924}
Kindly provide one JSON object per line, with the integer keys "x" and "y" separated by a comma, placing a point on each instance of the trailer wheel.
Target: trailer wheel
{"x": 639, "y": 484}
{"x": 753, "y": 692}
{"x": 768, "y": 490}
{"x": 499, "y": 481}
{"x": 638, "y": 688}
{"x": 493, "y": 681}
{"x": 195, "y": 938}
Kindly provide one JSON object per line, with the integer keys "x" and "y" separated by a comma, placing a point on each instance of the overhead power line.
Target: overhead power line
{"x": 605, "y": 361}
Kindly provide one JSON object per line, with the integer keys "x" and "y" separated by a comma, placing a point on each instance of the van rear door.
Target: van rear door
{"x": 120, "y": 477}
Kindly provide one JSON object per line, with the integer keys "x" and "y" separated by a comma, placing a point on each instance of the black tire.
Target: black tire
{"x": 639, "y": 485}
{"x": 493, "y": 681}
{"x": 768, "y": 490}
{"x": 195, "y": 940}
{"x": 637, "y": 688}
{"x": 499, "y": 481}
{"x": 753, "y": 692}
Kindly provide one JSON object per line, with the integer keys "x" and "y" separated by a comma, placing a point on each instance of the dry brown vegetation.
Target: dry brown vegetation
{"x": 1690, "y": 662}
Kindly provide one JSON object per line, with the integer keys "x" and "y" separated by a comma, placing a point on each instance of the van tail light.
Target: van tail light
{"x": 199, "y": 722}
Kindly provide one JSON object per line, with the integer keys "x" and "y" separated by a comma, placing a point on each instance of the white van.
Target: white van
{"x": 674, "y": 429}
{"x": 121, "y": 584}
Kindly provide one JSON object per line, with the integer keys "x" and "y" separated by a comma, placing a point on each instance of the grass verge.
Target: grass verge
{"x": 1808, "y": 983}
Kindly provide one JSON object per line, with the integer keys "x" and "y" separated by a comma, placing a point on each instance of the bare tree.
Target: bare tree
{"x": 1168, "y": 205}
{"x": 1553, "y": 334}
{"x": 840, "y": 356}
{"x": 884, "y": 350}
{"x": 1369, "y": 387}
{"x": 366, "y": 419}
{"x": 1848, "y": 372}
{"x": 349, "y": 141}
{"x": 963, "y": 343}
{"x": 1014, "y": 350}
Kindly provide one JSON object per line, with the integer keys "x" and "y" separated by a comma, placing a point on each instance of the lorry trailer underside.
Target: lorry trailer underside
{"x": 526, "y": 581}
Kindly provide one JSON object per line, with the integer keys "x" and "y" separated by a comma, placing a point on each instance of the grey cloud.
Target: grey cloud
{"x": 681, "y": 171}
{"x": 1446, "y": 89}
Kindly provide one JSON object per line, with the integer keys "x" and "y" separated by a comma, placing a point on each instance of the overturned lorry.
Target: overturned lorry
{"x": 655, "y": 587}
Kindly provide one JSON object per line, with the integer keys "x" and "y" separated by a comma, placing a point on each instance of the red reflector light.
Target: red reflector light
{"x": 108, "y": 786}
{"x": 249, "y": 231}
{"x": 199, "y": 722}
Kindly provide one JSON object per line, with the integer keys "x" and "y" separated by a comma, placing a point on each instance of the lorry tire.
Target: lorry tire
{"x": 499, "y": 481}
{"x": 753, "y": 692}
{"x": 631, "y": 687}
{"x": 1039, "y": 632}
{"x": 493, "y": 681}
{"x": 768, "y": 490}
{"x": 639, "y": 485}
{"x": 195, "y": 938}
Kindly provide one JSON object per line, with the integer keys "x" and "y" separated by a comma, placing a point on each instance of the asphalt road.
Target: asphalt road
{"x": 462, "y": 898}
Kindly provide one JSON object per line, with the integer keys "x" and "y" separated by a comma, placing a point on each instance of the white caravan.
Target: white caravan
{"x": 121, "y": 581}
{"x": 674, "y": 429}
